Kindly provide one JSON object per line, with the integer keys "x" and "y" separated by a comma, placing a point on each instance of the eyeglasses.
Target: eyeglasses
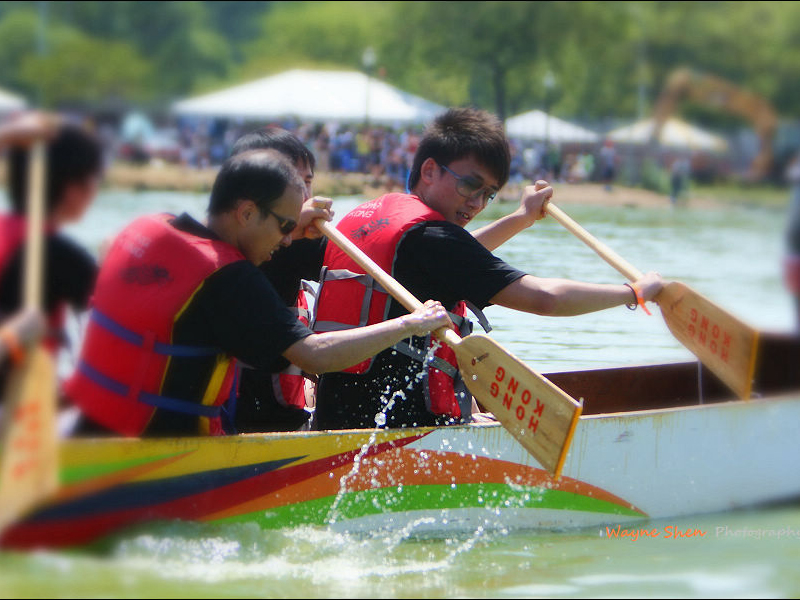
{"x": 468, "y": 187}
{"x": 286, "y": 226}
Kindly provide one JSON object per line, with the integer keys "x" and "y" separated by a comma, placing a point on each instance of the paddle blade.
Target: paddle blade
{"x": 723, "y": 343}
{"x": 29, "y": 456}
{"x": 540, "y": 415}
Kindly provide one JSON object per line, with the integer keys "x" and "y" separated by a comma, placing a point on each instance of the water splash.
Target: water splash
{"x": 388, "y": 401}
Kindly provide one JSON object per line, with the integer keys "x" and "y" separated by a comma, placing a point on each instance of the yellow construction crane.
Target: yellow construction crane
{"x": 715, "y": 91}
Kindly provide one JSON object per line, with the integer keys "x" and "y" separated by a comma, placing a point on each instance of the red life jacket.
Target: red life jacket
{"x": 350, "y": 298}
{"x": 12, "y": 234}
{"x": 149, "y": 277}
{"x": 289, "y": 385}
{"x": 13, "y": 231}
{"x": 791, "y": 273}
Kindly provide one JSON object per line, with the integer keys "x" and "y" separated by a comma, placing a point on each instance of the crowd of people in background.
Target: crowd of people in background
{"x": 383, "y": 152}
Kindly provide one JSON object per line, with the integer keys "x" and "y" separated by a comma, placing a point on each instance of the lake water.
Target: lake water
{"x": 730, "y": 255}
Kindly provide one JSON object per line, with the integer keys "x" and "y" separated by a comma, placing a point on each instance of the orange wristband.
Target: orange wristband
{"x": 15, "y": 350}
{"x": 638, "y": 297}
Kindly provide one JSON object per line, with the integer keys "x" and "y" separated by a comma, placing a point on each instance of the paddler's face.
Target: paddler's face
{"x": 307, "y": 175}
{"x": 262, "y": 235}
{"x": 459, "y": 190}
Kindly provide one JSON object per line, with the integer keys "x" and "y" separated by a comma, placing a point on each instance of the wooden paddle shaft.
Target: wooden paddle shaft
{"x": 34, "y": 245}
{"x": 395, "y": 289}
{"x": 611, "y": 257}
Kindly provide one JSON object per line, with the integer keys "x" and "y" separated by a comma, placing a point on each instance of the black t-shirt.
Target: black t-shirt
{"x": 69, "y": 271}
{"x": 300, "y": 260}
{"x": 436, "y": 260}
{"x": 237, "y": 310}
{"x": 257, "y": 408}
{"x": 69, "y": 277}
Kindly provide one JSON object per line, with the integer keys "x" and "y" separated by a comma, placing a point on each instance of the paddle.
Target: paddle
{"x": 28, "y": 438}
{"x": 539, "y": 414}
{"x": 723, "y": 343}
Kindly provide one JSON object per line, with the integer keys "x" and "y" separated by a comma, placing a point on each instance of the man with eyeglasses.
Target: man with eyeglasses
{"x": 178, "y": 303}
{"x": 461, "y": 163}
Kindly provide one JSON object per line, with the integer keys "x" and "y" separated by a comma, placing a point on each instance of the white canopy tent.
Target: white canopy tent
{"x": 538, "y": 125}
{"x": 675, "y": 133}
{"x": 10, "y": 102}
{"x": 343, "y": 96}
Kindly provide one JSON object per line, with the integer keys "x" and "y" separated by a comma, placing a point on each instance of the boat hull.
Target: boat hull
{"x": 621, "y": 468}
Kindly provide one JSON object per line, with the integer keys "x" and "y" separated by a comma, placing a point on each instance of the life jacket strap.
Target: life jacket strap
{"x": 479, "y": 315}
{"x": 306, "y": 287}
{"x": 171, "y": 404}
{"x": 339, "y": 274}
{"x": 424, "y": 357}
{"x": 135, "y": 339}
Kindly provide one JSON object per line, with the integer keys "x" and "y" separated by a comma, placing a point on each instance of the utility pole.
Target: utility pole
{"x": 368, "y": 60}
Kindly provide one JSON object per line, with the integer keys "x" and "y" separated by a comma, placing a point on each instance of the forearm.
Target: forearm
{"x": 338, "y": 350}
{"x": 497, "y": 233}
{"x": 561, "y": 297}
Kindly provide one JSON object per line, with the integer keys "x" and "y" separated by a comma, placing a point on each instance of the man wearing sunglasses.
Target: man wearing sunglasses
{"x": 275, "y": 400}
{"x": 178, "y": 303}
{"x": 462, "y": 161}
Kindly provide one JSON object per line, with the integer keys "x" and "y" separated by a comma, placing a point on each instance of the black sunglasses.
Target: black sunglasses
{"x": 286, "y": 226}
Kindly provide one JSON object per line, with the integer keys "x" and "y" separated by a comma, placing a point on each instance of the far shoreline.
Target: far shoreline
{"x": 169, "y": 177}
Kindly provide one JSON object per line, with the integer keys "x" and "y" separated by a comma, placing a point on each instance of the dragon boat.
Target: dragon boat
{"x": 653, "y": 442}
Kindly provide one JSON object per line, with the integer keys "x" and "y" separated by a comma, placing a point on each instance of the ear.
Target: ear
{"x": 246, "y": 210}
{"x": 428, "y": 171}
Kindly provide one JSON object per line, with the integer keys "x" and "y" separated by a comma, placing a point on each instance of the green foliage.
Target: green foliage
{"x": 609, "y": 58}
{"x": 69, "y": 71}
{"x": 321, "y": 32}
{"x": 71, "y": 75}
{"x": 18, "y": 39}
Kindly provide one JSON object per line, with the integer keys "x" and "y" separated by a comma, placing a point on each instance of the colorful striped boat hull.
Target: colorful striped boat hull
{"x": 666, "y": 461}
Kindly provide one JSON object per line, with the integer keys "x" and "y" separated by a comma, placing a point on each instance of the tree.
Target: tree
{"x": 70, "y": 75}
{"x": 70, "y": 68}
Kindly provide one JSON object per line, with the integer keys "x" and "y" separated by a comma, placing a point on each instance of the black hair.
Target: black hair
{"x": 73, "y": 155}
{"x": 258, "y": 175}
{"x": 278, "y": 139}
{"x": 460, "y": 133}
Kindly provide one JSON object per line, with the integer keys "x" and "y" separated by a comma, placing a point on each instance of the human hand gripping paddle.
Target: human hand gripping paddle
{"x": 539, "y": 414}
{"x": 723, "y": 343}
{"x": 28, "y": 436}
